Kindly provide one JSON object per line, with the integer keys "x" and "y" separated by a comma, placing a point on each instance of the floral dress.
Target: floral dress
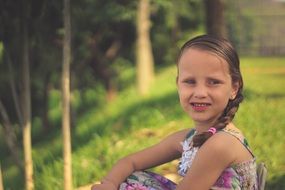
{"x": 146, "y": 180}
{"x": 241, "y": 176}
{"x": 235, "y": 177}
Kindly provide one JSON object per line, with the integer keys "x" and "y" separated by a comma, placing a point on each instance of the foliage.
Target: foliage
{"x": 101, "y": 27}
{"x": 103, "y": 42}
{"x": 255, "y": 27}
{"x": 105, "y": 132}
{"x": 241, "y": 34}
{"x": 172, "y": 22}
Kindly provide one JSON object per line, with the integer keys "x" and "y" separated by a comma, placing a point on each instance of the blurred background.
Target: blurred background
{"x": 119, "y": 57}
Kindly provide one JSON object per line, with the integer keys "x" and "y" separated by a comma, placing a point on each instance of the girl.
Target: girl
{"x": 214, "y": 154}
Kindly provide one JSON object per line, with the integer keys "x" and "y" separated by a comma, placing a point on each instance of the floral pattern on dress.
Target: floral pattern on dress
{"x": 235, "y": 177}
{"x": 188, "y": 155}
{"x": 241, "y": 176}
{"x": 145, "y": 180}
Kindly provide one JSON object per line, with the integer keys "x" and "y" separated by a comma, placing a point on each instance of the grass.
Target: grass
{"x": 106, "y": 132}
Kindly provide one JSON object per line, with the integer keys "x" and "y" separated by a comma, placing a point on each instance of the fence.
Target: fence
{"x": 259, "y": 26}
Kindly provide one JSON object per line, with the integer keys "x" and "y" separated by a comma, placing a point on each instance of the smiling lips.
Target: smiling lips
{"x": 199, "y": 107}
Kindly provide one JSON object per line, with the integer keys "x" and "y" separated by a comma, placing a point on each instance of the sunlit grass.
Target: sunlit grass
{"x": 104, "y": 132}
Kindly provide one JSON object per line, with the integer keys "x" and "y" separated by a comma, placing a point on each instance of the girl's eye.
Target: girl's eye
{"x": 214, "y": 82}
{"x": 189, "y": 81}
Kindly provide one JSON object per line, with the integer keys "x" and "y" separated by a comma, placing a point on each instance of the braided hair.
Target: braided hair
{"x": 222, "y": 48}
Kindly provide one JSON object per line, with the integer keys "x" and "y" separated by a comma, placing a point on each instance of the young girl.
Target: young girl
{"x": 214, "y": 154}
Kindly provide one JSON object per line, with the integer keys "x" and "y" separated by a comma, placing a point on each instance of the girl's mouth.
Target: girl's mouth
{"x": 200, "y": 106}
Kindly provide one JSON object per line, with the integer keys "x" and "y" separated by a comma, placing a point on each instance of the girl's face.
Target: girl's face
{"x": 204, "y": 85}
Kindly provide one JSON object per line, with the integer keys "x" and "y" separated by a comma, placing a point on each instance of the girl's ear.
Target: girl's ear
{"x": 235, "y": 88}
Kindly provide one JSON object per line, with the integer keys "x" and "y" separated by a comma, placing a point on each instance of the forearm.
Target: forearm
{"x": 120, "y": 171}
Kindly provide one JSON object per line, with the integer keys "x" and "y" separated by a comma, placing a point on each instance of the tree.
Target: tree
{"x": 11, "y": 98}
{"x": 1, "y": 180}
{"x": 10, "y": 136}
{"x": 16, "y": 23}
{"x": 66, "y": 97}
{"x": 174, "y": 22}
{"x": 145, "y": 63}
{"x": 26, "y": 101}
{"x": 102, "y": 38}
{"x": 215, "y": 22}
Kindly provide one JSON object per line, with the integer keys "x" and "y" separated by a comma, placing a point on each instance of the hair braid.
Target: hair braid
{"x": 222, "y": 122}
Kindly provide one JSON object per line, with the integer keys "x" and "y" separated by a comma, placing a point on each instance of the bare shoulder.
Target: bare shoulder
{"x": 229, "y": 146}
{"x": 211, "y": 159}
{"x": 241, "y": 150}
{"x": 220, "y": 146}
{"x": 222, "y": 142}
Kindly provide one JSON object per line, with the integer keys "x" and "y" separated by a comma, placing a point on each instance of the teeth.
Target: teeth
{"x": 199, "y": 104}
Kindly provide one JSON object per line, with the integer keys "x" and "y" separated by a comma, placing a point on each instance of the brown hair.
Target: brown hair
{"x": 222, "y": 48}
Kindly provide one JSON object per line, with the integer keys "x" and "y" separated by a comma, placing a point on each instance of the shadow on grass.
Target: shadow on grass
{"x": 250, "y": 95}
{"x": 142, "y": 113}
{"x": 276, "y": 183}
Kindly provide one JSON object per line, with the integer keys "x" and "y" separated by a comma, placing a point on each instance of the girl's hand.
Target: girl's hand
{"x": 104, "y": 186}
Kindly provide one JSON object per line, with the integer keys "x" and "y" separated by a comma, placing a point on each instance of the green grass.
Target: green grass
{"x": 106, "y": 132}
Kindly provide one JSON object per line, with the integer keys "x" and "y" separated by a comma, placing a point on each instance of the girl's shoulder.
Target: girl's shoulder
{"x": 237, "y": 134}
{"x": 222, "y": 141}
{"x": 227, "y": 136}
{"x": 232, "y": 142}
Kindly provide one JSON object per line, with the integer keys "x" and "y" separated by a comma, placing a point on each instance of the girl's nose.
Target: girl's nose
{"x": 200, "y": 92}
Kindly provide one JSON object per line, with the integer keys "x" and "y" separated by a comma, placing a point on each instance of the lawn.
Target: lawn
{"x": 106, "y": 132}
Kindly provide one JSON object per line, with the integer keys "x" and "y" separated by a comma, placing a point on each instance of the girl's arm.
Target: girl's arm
{"x": 165, "y": 151}
{"x": 216, "y": 154}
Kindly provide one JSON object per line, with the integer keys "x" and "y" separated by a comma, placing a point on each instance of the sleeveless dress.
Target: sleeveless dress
{"x": 241, "y": 176}
{"x": 237, "y": 176}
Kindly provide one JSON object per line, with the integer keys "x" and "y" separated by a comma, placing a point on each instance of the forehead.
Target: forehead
{"x": 193, "y": 59}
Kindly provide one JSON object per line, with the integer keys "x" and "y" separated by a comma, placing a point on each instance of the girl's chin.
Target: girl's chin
{"x": 203, "y": 120}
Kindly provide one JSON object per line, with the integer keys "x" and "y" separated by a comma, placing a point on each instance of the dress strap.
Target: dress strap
{"x": 190, "y": 133}
{"x": 239, "y": 136}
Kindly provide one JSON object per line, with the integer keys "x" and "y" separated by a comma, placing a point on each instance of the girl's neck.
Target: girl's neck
{"x": 202, "y": 127}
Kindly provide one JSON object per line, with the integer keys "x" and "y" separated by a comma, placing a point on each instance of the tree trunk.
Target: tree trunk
{"x": 26, "y": 102}
{"x": 145, "y": 63}
{"x": 15, "y": 95}
{"x": 66, "y": 98}
{"x": 10, "y": 136}
{"x": 1, "y": 179}
{"x": 215, "y": 22}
